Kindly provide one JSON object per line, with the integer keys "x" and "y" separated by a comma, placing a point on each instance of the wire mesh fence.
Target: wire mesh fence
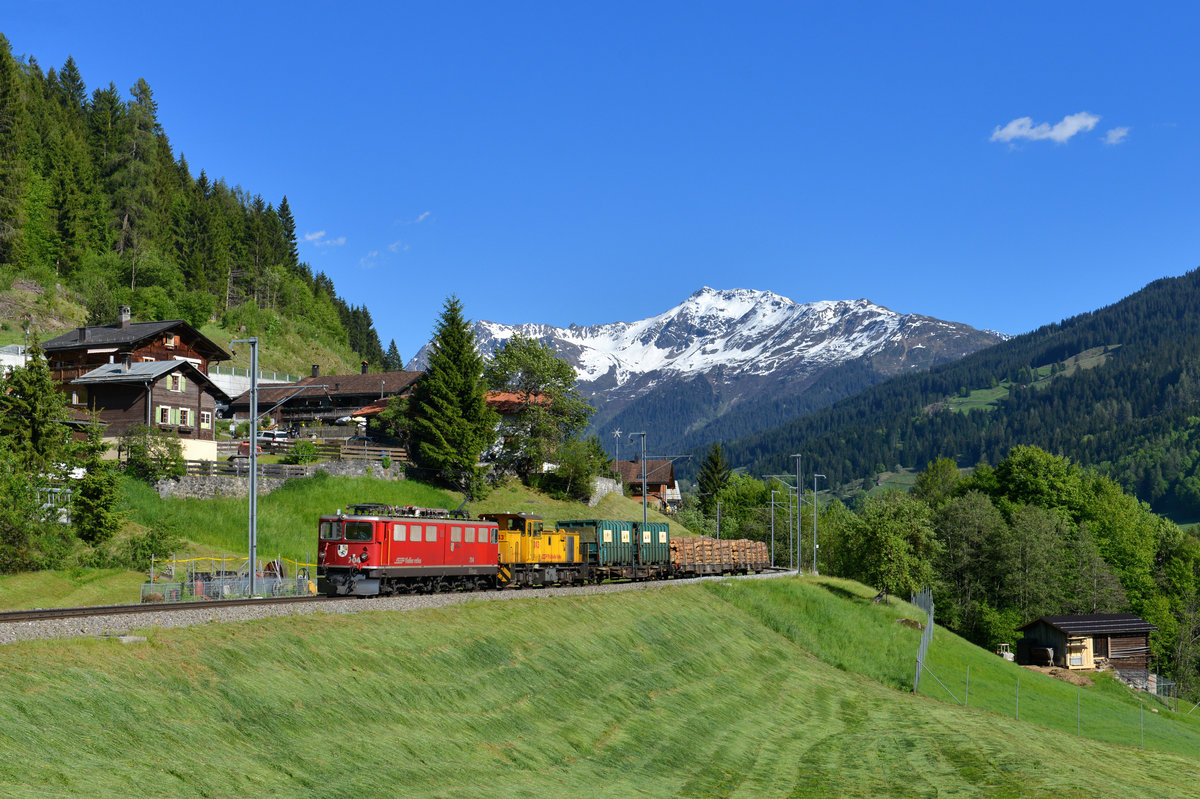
{"x": 226, "y": 577}
{"x": 1083, "y": 711}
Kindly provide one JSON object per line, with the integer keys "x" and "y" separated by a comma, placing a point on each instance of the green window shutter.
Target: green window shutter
{"x": 174, "y": 416}
{"x": 182, "y": 383}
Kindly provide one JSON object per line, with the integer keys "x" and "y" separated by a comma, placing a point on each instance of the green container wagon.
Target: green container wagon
{"x": 654, "y": 543}
{"x": 614, "y": 540}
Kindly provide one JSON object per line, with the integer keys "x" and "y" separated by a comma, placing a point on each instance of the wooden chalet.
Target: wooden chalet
{"x": 661, "y": 489}
{"x": 171, "y": 395}
{"x": 1084, "y": 642}
{"x": 324, "y": 400}
{"x": 83, "y": 349}
{"x": 153, "y": 373}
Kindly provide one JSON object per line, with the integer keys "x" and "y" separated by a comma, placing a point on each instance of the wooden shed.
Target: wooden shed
{"x": 1079, "y": 642}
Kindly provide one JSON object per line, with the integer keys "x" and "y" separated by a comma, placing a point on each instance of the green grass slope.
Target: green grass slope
{"x": 756, "y": 689}
{"x": 287, "y": 517}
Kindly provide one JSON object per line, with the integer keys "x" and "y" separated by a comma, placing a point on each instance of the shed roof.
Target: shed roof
{"x": 657, "y": 471}
{"x": 360, "y": 387}
{"x": 146, "y": 372}
{"x": 1096, "y": 624}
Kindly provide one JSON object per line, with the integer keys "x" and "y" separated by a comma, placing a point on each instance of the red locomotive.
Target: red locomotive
{"x": 380, "y": 549}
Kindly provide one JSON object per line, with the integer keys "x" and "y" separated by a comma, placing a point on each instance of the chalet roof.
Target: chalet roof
{"x": 657, "y": 472}
{"x": 131, "y": 335}
{"x": 356, "y": 387}
{"x": 146, "y": 372}
{"x": 374, "y": 409}
{"x": 1096, "y": 624}
{"x": 507, "y": 403}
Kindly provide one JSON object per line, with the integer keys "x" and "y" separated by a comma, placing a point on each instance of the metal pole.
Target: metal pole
{"x": 253, "y": 564}
{"x": 773, "y": 493}
{"x": 642, "y": 462}
{"x": 799, "y": 514}
{"x": 815, "y": 476}
{"x": 791, "y": 549}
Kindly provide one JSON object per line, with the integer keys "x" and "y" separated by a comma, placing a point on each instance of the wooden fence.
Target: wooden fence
{"x": 327, "y": 450}
{"x": 240, "y": 467}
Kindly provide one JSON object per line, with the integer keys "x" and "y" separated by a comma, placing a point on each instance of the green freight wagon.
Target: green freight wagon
{"x": 654, "y": 546}
{"x": 614, "y": 548}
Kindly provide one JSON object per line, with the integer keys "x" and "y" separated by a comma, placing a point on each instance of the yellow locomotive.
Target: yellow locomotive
{"x": 531, "y": 555}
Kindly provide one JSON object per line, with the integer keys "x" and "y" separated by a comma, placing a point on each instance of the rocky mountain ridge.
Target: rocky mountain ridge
{"x": 735, "y": 349}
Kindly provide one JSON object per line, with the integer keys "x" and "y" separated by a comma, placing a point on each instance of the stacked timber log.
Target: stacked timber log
{"x": 701, "y": 552}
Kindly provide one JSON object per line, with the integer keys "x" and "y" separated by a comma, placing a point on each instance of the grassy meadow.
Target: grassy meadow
{"x": 784, "y": 687}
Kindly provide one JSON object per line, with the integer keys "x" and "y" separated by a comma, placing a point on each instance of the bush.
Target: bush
{"x": 135, "y": 553}
{"x": 152, "y": 454}
{"x": 302, "y": 452}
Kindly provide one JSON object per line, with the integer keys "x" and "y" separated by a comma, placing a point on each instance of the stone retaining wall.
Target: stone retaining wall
{"x": 602, "y": 487}
{"x": 207, "y": 487}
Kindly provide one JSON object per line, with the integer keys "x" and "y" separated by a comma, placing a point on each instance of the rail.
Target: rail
{"x": 327, "y": 449}
{"x": 264, "y": 375}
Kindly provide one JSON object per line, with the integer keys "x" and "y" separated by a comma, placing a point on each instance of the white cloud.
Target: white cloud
{"x": 1116, "y": 135}
{"x": 397, "y": 246}
{"x": 318, "y": 239}
{"x": 369, "y": 261}
{"x": 1023, "y": 128}
{"x": 420, "y": 218}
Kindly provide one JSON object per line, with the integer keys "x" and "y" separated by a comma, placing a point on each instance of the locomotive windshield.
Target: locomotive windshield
{"x": 330, "y": 531}
{"x": 360, "y": 531}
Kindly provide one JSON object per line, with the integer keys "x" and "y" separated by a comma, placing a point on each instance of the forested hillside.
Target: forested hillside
{"x": 93, "y": 199}
{"x": 1135, "y": 414}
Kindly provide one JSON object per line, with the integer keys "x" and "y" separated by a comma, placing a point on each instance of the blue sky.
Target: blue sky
{"x": 1004, "y": 165}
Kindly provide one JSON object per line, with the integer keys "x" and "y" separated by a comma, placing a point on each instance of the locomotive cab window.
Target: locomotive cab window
{"x": 359, "y": 531}
{"x": 330, "y": 531}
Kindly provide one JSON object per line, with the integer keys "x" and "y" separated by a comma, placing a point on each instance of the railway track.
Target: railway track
{"x": 44, "y": 614}
{"x": 47, "y": 614}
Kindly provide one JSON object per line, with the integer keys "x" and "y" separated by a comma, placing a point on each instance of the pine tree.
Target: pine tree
{"x": 392, "y": 362}
{"x": 13, "y": 167}
{"x": 452, "y": 424}
{"x": 713, "y": 476}
{"x": 93, "y": 510}
{"x": 288, "y": 224}
{"x": 71, "y": 86}
{"x": 31, "y": 413}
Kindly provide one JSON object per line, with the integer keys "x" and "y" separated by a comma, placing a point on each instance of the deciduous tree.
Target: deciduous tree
{"x": 550, "y": 409}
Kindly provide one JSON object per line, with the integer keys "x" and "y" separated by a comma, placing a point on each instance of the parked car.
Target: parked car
{"x": 273, "y": 437}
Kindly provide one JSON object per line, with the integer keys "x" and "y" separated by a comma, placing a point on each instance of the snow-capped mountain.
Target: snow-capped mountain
{"x": 721, "y": 351}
